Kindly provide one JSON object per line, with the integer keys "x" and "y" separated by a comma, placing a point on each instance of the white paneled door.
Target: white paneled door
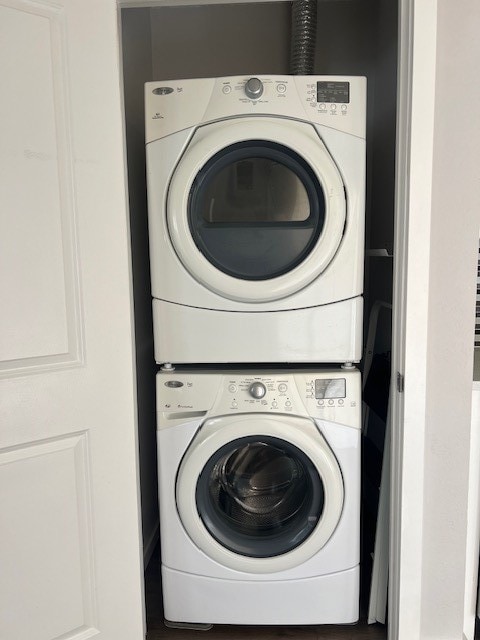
{"x": 70, "y": 556}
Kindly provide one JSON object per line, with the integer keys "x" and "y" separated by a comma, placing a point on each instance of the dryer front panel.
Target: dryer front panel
{"x": 256, "y": 207}
{"x": 258, "y": 493}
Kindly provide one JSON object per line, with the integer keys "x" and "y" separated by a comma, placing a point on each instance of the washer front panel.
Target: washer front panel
{"x": 297, "y": 138}
{"x": 296, "y": 434}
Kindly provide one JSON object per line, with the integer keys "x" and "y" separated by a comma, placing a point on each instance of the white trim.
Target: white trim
{"x": 416, "y": 99}
{"x": 473, "y": 522}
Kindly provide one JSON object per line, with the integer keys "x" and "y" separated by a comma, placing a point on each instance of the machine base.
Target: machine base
{"x": 330, "y": 333}
{"x": 191, "y": 626}
{"x": 329, "y": 599}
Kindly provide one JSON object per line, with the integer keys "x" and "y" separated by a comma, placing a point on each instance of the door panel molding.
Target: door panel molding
{"x": 47, "y": 535}
{"x": 42, "y": 326}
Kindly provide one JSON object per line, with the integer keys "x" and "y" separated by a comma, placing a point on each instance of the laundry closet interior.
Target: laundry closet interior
{"x": 354, "y": 38}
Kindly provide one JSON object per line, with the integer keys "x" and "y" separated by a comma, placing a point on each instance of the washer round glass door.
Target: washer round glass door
{"x": 256, "y": 207}
{"x": 260, "y": 496}
{"x": 259, "y": 493}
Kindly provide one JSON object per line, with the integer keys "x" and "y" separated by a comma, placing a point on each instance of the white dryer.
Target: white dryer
{"x": 256, "y": 192}
{"x": 259, "y": 488}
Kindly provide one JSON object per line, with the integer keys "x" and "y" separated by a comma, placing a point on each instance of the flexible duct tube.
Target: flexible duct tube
{"x": 304, "y": 31}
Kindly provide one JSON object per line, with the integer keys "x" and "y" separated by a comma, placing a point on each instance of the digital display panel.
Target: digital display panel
{"x": 330, "y": 388}
{"x": 333, "y": 92}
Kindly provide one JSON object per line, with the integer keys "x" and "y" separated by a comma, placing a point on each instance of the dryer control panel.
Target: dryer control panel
{"x": 328, "y": 394}
{"x": 338, "y": 102}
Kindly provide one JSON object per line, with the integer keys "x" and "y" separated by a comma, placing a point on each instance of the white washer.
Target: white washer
{"x": 259, "y": 487}
{"x": 256, "y": 192}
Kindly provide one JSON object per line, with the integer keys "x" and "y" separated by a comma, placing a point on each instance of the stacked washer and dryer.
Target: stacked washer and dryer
{"x": 256, "y": 189}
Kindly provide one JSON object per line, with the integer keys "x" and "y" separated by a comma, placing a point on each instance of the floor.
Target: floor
{"x": 158, "y": 631}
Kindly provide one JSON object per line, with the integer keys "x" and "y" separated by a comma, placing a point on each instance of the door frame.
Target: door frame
{"x": 414, "y": 160}
{"x": 433, "y": 327}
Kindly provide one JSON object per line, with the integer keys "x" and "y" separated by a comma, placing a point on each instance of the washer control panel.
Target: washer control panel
{"x": 333, "y": 394}
{"x": 257, "y": 393}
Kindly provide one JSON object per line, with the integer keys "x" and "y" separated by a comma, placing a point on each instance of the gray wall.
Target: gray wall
{"x": 218, "y": 40}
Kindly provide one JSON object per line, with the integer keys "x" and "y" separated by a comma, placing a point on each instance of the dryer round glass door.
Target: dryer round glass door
{"x": 256, "y": 210}
{"x": 256, "y": 207}
{"x": 259, "y": 493}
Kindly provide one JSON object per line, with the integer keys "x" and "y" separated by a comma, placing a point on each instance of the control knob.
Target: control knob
{"x": 253, "y": 88}
{"x": 257, "y": 390}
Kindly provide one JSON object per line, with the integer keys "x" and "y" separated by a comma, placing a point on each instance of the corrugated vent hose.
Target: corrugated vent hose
{"x": 304, "y": 32}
